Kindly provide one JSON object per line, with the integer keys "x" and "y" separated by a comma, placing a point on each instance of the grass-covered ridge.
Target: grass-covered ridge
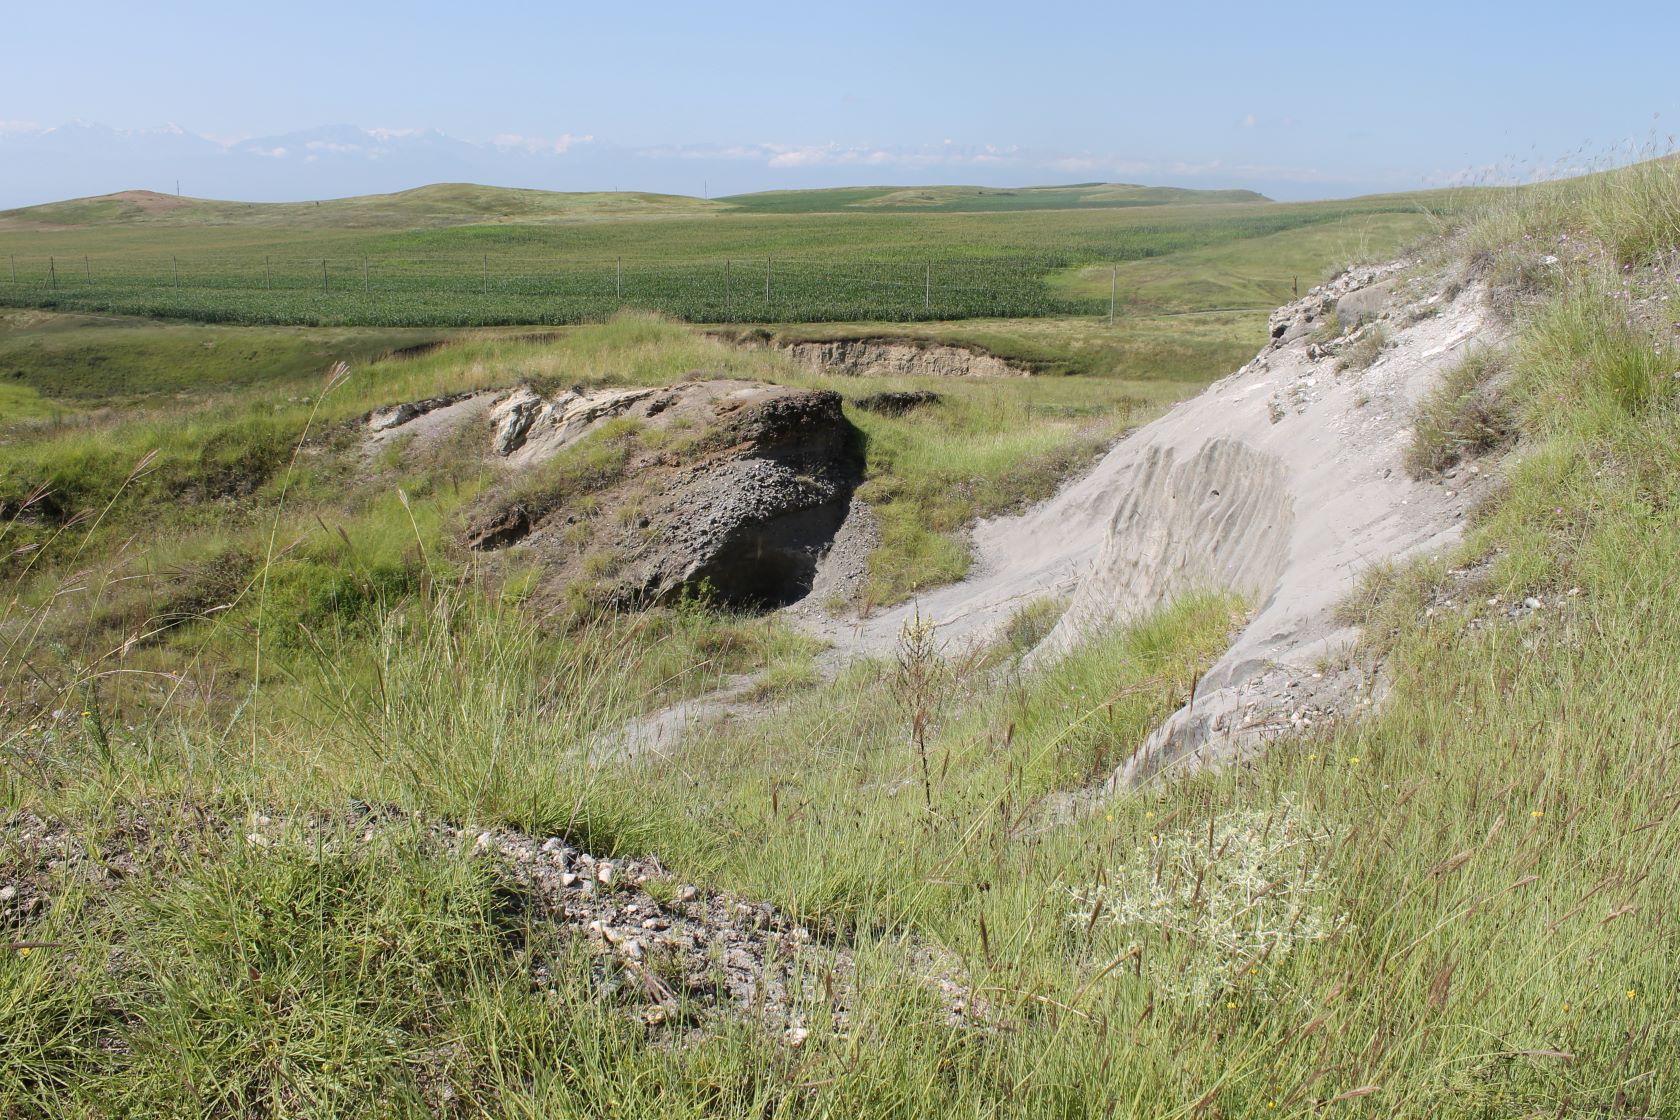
{"x": 440, "y": 204}
{"x": 1463, "y": 907}
{"x": 449, "y": 256}
{"x": 981, "y": 199}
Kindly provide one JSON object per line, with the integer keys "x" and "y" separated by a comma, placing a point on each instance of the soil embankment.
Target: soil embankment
{"x": 1282, "y": 483}
{"x": 734, "y": 489}
{"x": 889, "y": 357}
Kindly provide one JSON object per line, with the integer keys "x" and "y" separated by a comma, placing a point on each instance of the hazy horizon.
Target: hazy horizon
{"x": 236, "y": 104}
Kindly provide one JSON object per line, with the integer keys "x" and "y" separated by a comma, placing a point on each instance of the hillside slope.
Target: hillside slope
{"x": 437, "y": 205}
{"x": 389, "y": 877}
{"x": 1283, "y": 483}
{"x": 961, "y": 199}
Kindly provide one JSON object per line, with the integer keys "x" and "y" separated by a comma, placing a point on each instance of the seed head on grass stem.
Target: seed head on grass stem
{"x": 918, "y": 684}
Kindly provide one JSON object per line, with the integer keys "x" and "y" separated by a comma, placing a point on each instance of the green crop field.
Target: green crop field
{"x": 464, "y": 256}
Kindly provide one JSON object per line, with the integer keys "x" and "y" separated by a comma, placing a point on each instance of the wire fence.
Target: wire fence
{"x": 490, "y": 289}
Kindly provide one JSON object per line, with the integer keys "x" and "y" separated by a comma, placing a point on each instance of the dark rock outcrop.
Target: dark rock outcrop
{"x": 729, "y": 488}
{"x": 897, "y": 403}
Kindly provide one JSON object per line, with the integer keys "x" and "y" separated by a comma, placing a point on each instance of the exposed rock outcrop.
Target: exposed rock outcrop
{"x": 1282, "y": 483}
{"x": 734, "y": 487}
{"x": 896, "y": 357}
{"x": 396, "y": 415}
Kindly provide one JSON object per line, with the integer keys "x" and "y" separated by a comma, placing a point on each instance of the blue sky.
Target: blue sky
{"x": 1297, "y": 101}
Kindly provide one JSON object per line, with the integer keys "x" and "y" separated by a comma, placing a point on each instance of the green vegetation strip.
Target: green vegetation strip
{"x": 294, "y": 266}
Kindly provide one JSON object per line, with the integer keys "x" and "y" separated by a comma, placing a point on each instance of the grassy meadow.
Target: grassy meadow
{"x": 477, "y": 256}
{"x": 1462, "y": 906}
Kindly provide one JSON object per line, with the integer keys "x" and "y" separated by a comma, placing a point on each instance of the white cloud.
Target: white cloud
{"x": 946, "y": 154}
{"x": 1091, "y": 163}
{"x": 1255, "y": 120}
{"x": 540, "y": 145}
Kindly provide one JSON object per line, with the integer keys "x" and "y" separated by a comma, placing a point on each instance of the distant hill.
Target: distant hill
{"x": 960, "y": 199}
{"x": 441, "y": 204}
{"x": 455, "y": 204}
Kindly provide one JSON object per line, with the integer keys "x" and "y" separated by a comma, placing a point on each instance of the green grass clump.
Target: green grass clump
{"x": 1364, "y": 350}
{"x": 1466, "y": 415}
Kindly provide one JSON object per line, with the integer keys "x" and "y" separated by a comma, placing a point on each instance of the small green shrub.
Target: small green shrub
{"x": 1467, "y": 415}
{"x": 1365, "y": 349}
{"x": 1329, "y": 329}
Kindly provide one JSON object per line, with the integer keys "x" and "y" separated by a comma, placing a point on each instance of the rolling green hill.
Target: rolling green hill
{"x": 448, "y": 204}
{"x": 961, "y": 199}
{"x": 453, "y": 255}
{"x": 440, "y": 204}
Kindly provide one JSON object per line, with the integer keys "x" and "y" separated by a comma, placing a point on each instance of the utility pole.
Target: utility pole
{"x": 1113, "y": 283}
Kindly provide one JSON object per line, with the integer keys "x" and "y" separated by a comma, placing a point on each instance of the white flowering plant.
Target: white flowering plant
{"x": 1233, "y": 897}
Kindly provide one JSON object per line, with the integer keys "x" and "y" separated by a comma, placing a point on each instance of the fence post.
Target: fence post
{"x": 14, "y": 268}
{"x": 620, "y": 266}
{"x": 87, "y": 267}
{"x": 484, "y": 284}
{"x": 927, "y": 288}
{"x": 767, "y": 267}
{"x": 175, "y": 269}
{"x": 364, "y": 276}
{"x": 267, "y": 283}
{"x": 1113, "y": 283}
{"x": 324, "y": 274}
{"x": 52, "y": 272}
{"x": 725, "y": 289}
